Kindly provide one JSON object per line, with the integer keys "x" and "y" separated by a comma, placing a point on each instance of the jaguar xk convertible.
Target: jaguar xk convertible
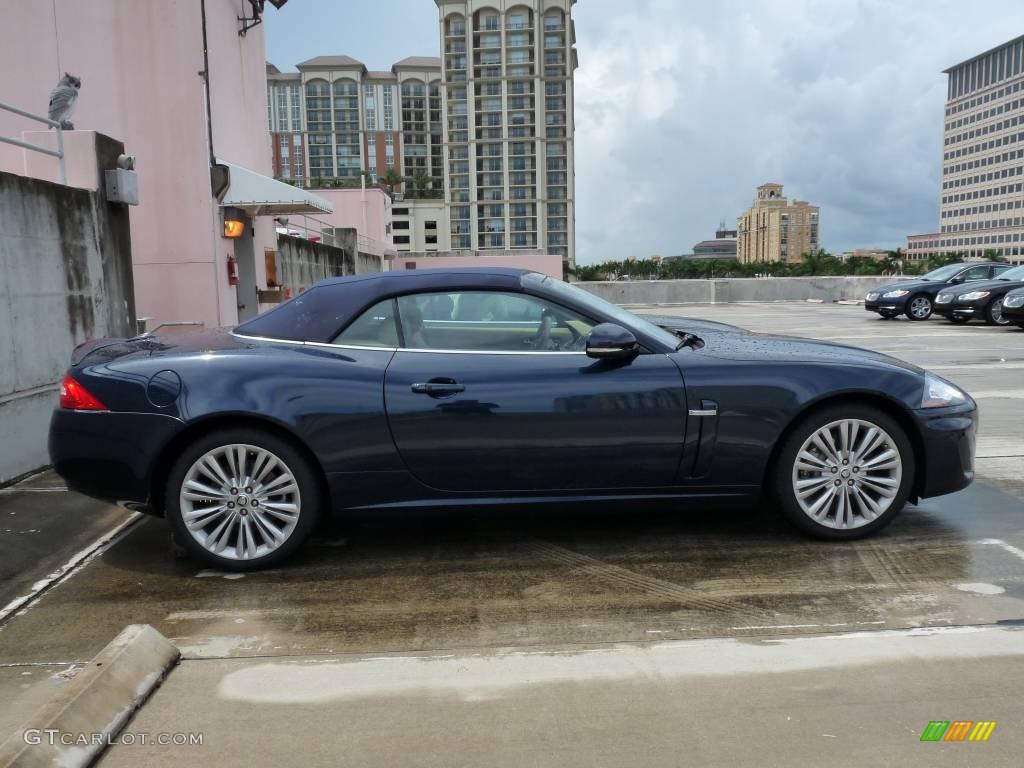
{"x": 493, "y": 386}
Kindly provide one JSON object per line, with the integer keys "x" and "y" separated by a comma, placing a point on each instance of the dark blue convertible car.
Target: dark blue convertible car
{"x": 492, "y": 386}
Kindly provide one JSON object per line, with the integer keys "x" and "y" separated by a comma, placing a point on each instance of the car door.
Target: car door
{"x": 493, "y": 392}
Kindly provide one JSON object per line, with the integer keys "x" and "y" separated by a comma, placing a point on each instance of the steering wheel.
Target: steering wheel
{"x": 542, "y": 339}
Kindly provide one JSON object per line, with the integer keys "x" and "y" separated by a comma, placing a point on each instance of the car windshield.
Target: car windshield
{"x": 589, "y": 301}
{"x": 1017, "y": 273}
{"x": 943, "y": 273}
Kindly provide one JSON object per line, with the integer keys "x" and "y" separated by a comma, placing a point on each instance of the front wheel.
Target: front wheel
{"x": 845, "y": 472}
{"x": 994, "y": 313}
{"x": 241, "y": 499}
{"x": 919, "y": 307}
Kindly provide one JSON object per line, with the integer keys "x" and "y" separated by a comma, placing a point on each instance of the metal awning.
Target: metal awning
{"x": 260, "y": 195}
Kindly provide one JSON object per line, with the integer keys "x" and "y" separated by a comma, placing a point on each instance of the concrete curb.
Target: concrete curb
{"x": 99, "y": 700}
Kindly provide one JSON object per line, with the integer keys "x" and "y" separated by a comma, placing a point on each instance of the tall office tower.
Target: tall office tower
{"x": 508, "y": 76}
{"x": 982, "y": 212}
{"x": 284, "y": 119}
{"x": 773, "y": 229}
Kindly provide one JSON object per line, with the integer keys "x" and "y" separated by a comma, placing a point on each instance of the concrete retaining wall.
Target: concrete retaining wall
{"x": 301, "y": 262}
{"x": 65, "y": 276}
{"x": 726, "y": 290}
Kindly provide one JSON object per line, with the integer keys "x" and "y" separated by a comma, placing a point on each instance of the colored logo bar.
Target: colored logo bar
{"x": 958, "y": 730}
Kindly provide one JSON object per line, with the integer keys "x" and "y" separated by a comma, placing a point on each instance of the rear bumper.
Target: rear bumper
{"x": 109, "y": 456}
{"x": 948, "y": 437}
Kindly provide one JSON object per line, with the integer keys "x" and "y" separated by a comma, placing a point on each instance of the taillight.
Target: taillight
{"x": 75, "y": 397}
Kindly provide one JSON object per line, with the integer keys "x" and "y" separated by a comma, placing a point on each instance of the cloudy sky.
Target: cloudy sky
{"x": 683, "y": 107}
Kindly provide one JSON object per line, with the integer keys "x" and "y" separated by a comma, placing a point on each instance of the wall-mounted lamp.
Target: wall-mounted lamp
{"x": 234, "y": 222}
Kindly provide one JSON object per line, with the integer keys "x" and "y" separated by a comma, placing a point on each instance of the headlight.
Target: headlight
{"x": 895, "y": 294}
{"x": 1014, "y": 301}
{"x": 872, "y": 296}
{"x": 939, "y": 393}
{"x": 973, "y": 295}
{"x": 944, "y": 298}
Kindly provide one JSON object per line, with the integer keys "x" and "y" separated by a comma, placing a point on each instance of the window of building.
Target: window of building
{"x": 401, "y": 239}
{"x": 401, "y": 225}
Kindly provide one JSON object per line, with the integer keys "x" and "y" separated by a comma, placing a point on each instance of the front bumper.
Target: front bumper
{"x": 882, "y": 304}
{"x": 964, "y": 309}
{"x": 948, "y": 440}
{"x": 1013, "y": 314}
{"x": 109, "y": 456}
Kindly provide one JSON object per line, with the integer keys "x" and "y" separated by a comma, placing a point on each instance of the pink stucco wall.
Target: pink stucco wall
{"x": 138, "y": 62}
{"x": 548, "y": 264}
{"x": 368, "y": 211}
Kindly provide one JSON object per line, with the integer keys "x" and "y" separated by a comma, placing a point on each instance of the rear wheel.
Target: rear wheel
{"x": 994, "y": 313}
{"x": 919, "y": 307}
{"x": 242, "y": 499}
{"x": 845, "y": 472}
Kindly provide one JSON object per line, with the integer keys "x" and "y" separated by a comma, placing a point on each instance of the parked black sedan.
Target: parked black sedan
{"x": 493, "y": 386}
{"x": 982, "y": 300}
{"x": 916, "y": 297}
{"x": 1013, "y": 307}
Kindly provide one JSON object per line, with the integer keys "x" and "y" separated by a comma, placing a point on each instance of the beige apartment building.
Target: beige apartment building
{"x": 485, "y": 131}
{"x": 773, "y": 229}
{"x": 508, "y": 77}
{"x": 982, "y": 204}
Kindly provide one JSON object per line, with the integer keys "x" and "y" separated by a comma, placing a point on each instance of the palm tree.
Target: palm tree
{"x": 420, "y": 180}
{"x": 390, "y": 180}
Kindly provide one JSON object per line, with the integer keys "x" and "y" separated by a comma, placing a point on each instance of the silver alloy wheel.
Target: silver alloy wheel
{"x": 240, "y": 501}
{"x": 997, "y": 313}
{"x": 847, "y": 474}
{"x": 921, "y": 307}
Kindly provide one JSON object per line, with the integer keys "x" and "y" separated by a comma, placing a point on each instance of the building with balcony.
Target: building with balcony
{"x": 508, "y": 80}
{"x": 773, "y": 229}
{"x": 982, "y": 204}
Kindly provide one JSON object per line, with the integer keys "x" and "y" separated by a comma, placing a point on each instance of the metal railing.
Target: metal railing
{"x": 58, "y": 153}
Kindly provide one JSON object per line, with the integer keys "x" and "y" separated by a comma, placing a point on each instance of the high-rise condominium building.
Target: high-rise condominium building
{"x": 982, "y": 211}
{"x": 508, "y": 77}
{"x": 773, "y": 229}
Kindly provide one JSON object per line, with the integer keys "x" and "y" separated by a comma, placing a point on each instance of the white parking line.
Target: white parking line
{"x": 1015, "y": 551}
{"x": 100, "y": 545}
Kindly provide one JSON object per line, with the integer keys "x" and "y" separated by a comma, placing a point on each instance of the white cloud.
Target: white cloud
{"x": 682, "y": 108}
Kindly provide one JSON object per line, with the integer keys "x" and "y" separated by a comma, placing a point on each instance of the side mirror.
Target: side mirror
{"x": 612, "y": 342}
{"x": 957, "y": 280}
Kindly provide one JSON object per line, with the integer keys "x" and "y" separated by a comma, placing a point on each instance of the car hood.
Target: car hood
{"x": 906, "y": 285}
{"x": 756, "y": 346}
{"x": 986, "y": 285}
{"x": 690, "y": 324}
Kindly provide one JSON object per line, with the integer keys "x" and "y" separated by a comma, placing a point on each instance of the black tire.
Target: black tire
{"x": 781, "y": 478}
{"x": 922, "y": 298}
{"x": 959, "y": 320}
{"x": 993, "y": 311}
{"x": 309, "y": 489}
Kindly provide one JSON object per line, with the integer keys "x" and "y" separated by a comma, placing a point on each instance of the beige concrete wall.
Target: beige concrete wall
{"x": 726, "y": 290}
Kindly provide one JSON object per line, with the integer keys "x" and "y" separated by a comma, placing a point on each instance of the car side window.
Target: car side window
{"x": 490, "y": 321}
{"x": 999, "y": 269}
{"x": 376, "y": 327}
{"x": 975, "y": 273}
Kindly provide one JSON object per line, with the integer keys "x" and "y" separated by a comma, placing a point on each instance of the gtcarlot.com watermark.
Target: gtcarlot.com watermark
{"x": 54, "y": 737}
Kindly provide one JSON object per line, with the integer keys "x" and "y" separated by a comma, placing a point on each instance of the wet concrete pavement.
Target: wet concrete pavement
{"x": 568, "y": 579}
